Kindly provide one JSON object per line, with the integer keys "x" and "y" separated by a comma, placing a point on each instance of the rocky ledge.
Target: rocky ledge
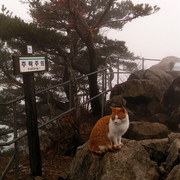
{"x": 151, "y": 149}
{"x": 148, "y": 159}
{"x": 151, "y": 95}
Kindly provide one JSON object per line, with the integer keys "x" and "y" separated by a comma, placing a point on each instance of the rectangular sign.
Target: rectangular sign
{"x": 29, "y": 64}
{"x": 26, "y": 64}
{"x": 176, "y": 66}
{"x": 29, "y": 49}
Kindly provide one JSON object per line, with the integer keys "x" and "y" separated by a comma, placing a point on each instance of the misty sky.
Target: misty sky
{"x": 154, "y": 36}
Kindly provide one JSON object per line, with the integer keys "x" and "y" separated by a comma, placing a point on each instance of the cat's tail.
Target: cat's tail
{"x": 103, "y": 151}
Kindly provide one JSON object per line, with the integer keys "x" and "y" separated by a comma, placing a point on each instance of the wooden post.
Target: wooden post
{"x": 142, "y": 63}
{"x": 27, "y": 65}
{"x": 32, "y": 125}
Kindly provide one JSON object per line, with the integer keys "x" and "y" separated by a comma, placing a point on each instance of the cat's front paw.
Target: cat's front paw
{"x": 121, "y": 145}
{"x": 116, "y": 146}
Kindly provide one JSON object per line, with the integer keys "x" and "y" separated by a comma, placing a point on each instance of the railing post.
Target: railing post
{"x": 16, "y": 143}
{"x": 118, "y": 72}
{"x": 70, "y": 96}
{"x": 142, "y": 63}
{"x": 105, "y": 84}
{"x": 102, "y": 96}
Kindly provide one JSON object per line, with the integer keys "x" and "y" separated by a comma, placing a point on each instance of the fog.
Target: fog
{"x": 155, "y": 36}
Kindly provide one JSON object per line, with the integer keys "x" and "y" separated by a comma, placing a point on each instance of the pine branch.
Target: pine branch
{"x": 98, "y": 23}
{"x": 120, "y": 20}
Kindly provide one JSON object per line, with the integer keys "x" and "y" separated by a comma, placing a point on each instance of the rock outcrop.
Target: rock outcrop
{"x": 171, "y": 97}
{"x": 160, "y": 74}
{"x": 171, "y": 103}
{"x": 151, "y": 95}
{"x": 146, "y": 130}
{"x": 127, "y": 163}
{"x": 174, "y": 174}
{"x": 145, "y": 159}
{"x": 151, "y": 150}
{"x": 137, "y": 89}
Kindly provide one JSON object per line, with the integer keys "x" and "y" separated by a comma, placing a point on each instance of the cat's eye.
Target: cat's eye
{"x": 122, "y": 110}
{"x": 113, "y": 118}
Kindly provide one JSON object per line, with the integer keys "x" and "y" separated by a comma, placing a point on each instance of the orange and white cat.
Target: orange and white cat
{"x": 107, "y": 132}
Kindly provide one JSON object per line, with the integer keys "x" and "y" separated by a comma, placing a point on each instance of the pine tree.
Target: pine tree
{"x": 69, "y": 32}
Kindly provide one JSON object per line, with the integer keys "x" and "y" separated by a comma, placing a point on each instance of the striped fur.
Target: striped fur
{"x": 106, "y": 134}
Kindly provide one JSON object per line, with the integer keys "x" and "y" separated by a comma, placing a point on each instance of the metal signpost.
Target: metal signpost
{"x": 27, "y": 65}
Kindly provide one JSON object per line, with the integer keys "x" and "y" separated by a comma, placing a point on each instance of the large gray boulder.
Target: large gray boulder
{"x": 157, "y": 149}
{"x": 166, "y": 64}
{"x": 171, "y": 97}
{"x": 171, "y": 102}
{"x": 147, "y": 85}
{"x": 137, "y": 89}
{"x": 174, "y": 174}
{"x": 160, "y": 74}
{"x": 151, "y": 95}
{"x": 173, "y": 136}
{"x": 136, "y": 160}
{"x": 130, "y": 162}
{"x": 173, "y": 157}
{"x": 146, "y": 130}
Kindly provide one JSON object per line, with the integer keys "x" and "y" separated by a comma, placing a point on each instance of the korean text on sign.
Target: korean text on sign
{"x": 30, "y": 64}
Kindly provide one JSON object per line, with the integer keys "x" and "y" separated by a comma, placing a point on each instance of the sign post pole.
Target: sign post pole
{"x": 32, "y": 125}
{"x": 27, "y": 65}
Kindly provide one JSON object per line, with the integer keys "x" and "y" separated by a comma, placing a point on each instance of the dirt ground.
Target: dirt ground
{"x": 54, "y": 166}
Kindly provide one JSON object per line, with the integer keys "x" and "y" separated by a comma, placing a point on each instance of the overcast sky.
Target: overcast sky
{"x": 154, "y": 36}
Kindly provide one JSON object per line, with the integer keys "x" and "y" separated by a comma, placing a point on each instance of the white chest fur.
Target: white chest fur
{"x": 117, "y": 128}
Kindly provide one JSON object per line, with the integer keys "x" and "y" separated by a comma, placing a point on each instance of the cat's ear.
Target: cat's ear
{"x": 112, "y": 108}
{"x": 123, "y": 110}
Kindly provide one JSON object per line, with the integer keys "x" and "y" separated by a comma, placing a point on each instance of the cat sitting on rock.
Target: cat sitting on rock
{"x": 107, "y": 132}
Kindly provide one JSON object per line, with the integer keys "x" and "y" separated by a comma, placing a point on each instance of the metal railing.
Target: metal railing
{"x": 104, "y": 90}
{"x": 14, "y": 157}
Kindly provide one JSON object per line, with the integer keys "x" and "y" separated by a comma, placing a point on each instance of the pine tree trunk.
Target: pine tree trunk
{"x": 93, "y": 85}
{"x": 84, "y": 32}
